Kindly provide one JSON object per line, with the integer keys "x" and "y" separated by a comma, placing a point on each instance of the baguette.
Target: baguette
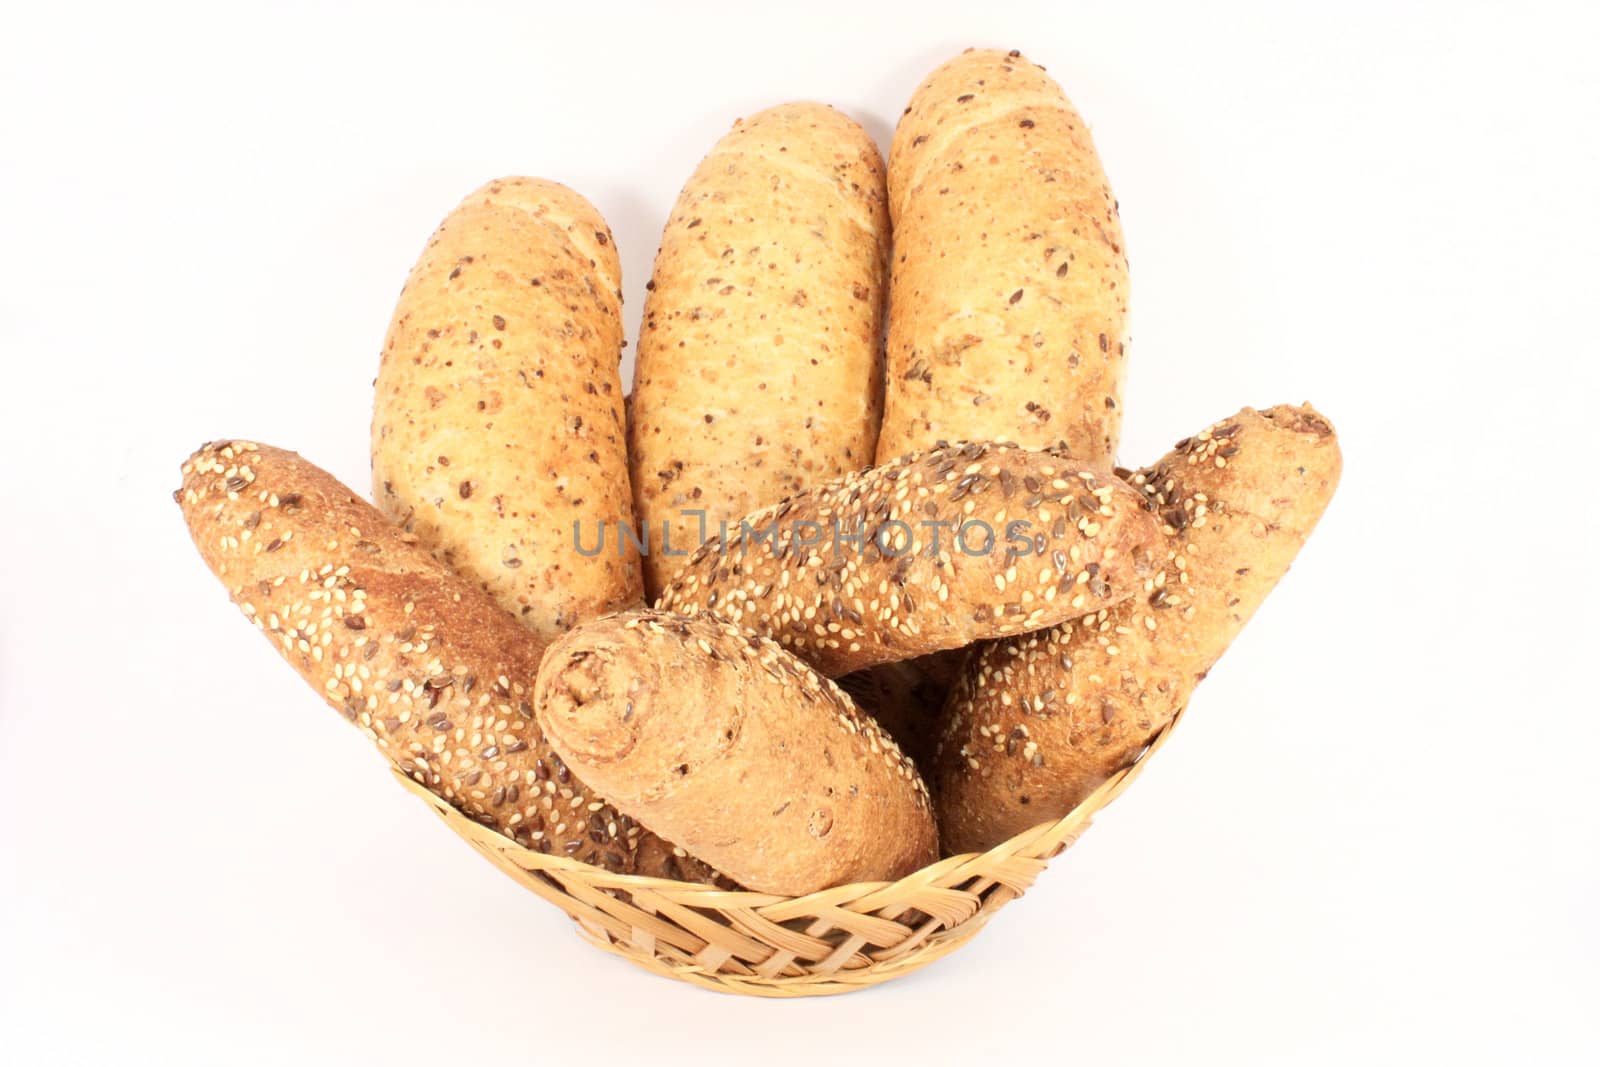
{"x": 497, "y": 429}
{"x": 762, "y": 328}
{"x": 732, "y": 746}
{"x": 1037, "y": 722}
{"x": 423, "y": 662}
{"x": 1009, "y": 289}
{"x": 929, "y": 552}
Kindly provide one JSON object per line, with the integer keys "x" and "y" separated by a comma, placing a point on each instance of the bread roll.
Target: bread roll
{"x": 422, "y": 661}
{"x": 1038, "y": 721}
{"x": 1009, "y": 291}
{"x": 498, "y": 419}
{"x": 760, "y": 359}
{"x": 729, "y": 744}
{"x": 929, "y": 552}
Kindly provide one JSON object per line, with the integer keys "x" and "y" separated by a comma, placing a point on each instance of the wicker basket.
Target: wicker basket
{"x": 833, "y": 941}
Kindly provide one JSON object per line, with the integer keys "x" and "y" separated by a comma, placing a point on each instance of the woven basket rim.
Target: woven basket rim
{"x": 857, "y": 896}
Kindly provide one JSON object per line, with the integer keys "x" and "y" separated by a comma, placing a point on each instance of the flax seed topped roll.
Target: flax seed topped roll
{"x": 1037, "y": 722}
{"x": 429, "y": 668}
{"x": 735, "y": 748}
{"x": 929, "y": 552}
{"x": 760, "y": 358}
{"x": 497, "y": 424}
{"x": 1009, "y": 288}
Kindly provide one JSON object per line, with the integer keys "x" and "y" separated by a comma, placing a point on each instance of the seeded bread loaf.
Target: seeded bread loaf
{"x": 1009, "y": 288}
{"x": 762, "y": 336}
{"x": 498, "y": 424}
{"x": 732, "y": 746}
{"x": 421, "y": 660}
{"x": 1038, "y": 721}
{"x": 956, "y": 545}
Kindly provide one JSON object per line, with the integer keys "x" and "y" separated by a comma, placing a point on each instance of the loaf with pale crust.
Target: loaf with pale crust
{"x": 1037, "y": 722}
{"x": 1009, "y": 287}
{"x": 725, "y": 742}
{"x": 427, "y": 666}
{"x": 497, "y": 429}
{"x": 929, "y": 552}
{"x": 760, "y": 358}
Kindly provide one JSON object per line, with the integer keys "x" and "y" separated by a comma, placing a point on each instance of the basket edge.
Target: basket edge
{"x": 1051, "y": 834}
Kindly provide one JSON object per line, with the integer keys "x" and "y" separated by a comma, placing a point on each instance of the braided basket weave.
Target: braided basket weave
{"x": 832, "y": 941}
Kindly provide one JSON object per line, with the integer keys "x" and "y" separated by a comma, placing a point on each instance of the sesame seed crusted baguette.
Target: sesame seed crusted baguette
{"x": 1009, "y": 287}
{"x": 1037, "y": 722}
{"x": 422, "y": 661}
{"x": 497, "y": 420}
{"x": 760, "y": 358}
{"x": 724, "y": 741}
{"x": 958, "y": 544}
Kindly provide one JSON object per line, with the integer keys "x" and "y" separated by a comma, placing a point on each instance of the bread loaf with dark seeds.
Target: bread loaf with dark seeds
{"x": 422, "y": 661}
{"x": 928, "y": 552}
{"x": 1009, "y": 291}
{"x": 497, "y": 424}
{"x": 1037, "y": 722}
{"x": 763, "y": 327}
{"x": 728, "y": 744}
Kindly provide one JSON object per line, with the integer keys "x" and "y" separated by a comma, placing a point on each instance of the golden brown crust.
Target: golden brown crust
{"x": 423, "y": 662}
{"x": 1009, "y": 287}
{"x": 760, "y": 357}
{"x": 498, "y": 419}
{"x": 729, "y": 744}
{"x": 936, "y": 566}
{"x": 1037, "y": 722}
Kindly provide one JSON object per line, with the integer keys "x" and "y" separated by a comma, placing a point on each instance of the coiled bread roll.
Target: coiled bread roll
{"x": 736, "y": 748}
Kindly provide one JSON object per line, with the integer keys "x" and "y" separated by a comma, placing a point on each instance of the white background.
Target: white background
{"x": 1376, "y": 836}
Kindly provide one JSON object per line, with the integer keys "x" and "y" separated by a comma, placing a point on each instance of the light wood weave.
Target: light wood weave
{"x": 833, "y": 941}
